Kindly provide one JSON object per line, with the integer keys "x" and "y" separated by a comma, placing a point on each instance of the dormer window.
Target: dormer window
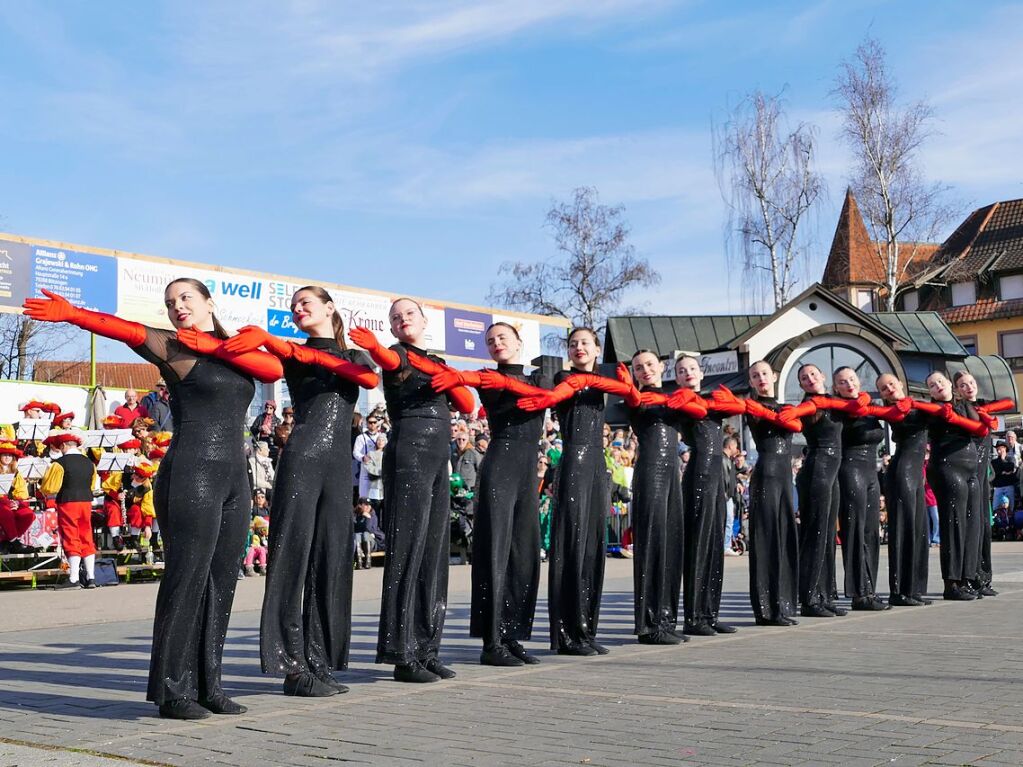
{"x": 1010, "y": 286}
{"x": 964, "y": 293}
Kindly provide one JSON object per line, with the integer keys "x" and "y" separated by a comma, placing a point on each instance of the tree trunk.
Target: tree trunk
{"x": 23, "y": 338}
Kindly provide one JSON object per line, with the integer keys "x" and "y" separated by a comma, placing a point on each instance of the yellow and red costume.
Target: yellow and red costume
{"x": 70, "y": 480}
{"x": 15, "y": 514}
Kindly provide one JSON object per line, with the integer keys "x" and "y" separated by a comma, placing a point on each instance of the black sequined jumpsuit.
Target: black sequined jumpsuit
{"x": 656, "y": 516}
{"x": 578, "y": 545}
{"x": 506, "y": 532}
{"x": 859, "y": 507}
{"x": 908, "y": 523}
{"x": 952, "y": 475}
{"x": 417, "y": 509}
{"x": 978, "y": 522}
{"x": 202, "y": 501}
{"x": 704, "y": 513}
{"x": 306, "y": 623}
{"x": 774, "y": 547}
{"x": 817, "y": 483}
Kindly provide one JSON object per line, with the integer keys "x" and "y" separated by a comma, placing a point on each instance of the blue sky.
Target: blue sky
{"x": 416, "y": 146}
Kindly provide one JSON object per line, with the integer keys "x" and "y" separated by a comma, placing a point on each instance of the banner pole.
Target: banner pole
{"x": 92, "y": 360}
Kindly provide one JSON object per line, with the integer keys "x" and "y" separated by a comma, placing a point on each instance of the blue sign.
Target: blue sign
{"x": 15, "y": 272}
{"x": 464, "y": 331}
{"x": 279, "y": 323}
{"x": 87, "y": 280}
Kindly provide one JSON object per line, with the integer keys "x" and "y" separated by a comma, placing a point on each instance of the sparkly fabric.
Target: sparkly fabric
{"x": 656, "y": 517}
{"x": 817, "y": 483}
{"x": 774, "y": 550}
{"x": 576, "y": 570}
{"x": 908, "y": 524}
{"x": 307, "y": 622}
{"x": 201, "y": 495}
{"x": 704, "y": 513}
{"x": 859, "y": 506}
{"x": 978, "y": 520}
{"x": 417, "y": 509}
{"x": 506, "y": 532}
{"x": 952, "y": 475}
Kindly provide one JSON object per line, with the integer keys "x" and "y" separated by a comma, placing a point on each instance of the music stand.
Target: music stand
{"x": 33, "y": 429}
{"x": 33, "y": 468}
{"x": 106, "y": 438}
{"x": 115, "y": 461}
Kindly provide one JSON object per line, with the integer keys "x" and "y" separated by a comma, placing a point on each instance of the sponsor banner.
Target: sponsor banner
{"x": 529, "y": 332}
{"x": 87, "y": 280}
{"x": 434, "y": 336}
{"x": 15, "y": 272}
{"x": 279, "y": 323}
{"x": 463, "y": 333}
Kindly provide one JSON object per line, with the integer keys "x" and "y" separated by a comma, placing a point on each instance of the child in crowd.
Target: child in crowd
{"x": 255, "y": 552}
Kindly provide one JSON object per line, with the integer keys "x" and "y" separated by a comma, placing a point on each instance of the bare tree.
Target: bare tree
{"x": 767, "y": 176}
{"x": 597, "y": 268}
{"x": 23, "y": 341}
{"x": 900, "y": 209}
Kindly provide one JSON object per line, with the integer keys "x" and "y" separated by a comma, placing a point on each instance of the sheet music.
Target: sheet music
{"x": 115, "y": 461}
{"x": 33, "y": 468}
{"x": 5, "y": 483}
{"x": 33, "y": 428}
{"x": 106, "y": 437}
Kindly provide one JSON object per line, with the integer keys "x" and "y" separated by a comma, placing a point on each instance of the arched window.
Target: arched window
{"x": 829, "y": 358}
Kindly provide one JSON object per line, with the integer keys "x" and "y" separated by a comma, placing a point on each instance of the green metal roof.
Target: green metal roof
{"x": 994, "y": 377}
{"x": 664, "y": 335}
{"x": 926, "y": 333}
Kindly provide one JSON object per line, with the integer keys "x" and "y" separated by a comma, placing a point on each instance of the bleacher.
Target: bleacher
{"x": 43, "y": 568}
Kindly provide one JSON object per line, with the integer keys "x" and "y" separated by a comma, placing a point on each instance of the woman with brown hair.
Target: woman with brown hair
{"x": 202, "y": 491}
{"x": 307, "y": 622}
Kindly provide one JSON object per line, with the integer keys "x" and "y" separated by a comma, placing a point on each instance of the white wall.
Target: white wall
{"x": 14, "y": 393}
{"x": 795, "y": 321}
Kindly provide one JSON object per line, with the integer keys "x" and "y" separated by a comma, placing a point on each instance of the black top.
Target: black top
{"x": 77, "y": 483}
{"x": 581, "y": 416}
{"x": 313, "y": 388}
{"x": 860, "y": 431}
{"x": 506, "y": 420}
{"x": 656, "y": 428}
{"x": 408, "y": 392}
{"x": 769, "y": 437}
{"x": 911, "y": 429}
{"x": 946, "y": 438}
{"x": 823, "y": 429}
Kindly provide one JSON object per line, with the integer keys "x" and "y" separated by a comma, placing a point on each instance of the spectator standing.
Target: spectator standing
{"x": 1014, "y": 448}
{"x": 132, "y": 408}
{"x": 374, "y": 468}
{"x": 283, "y": 431}
{"x": 729, "y": 449}
{"x": 1006, "y": 475}
{"x": 262, "y": 429}
{"x": 159, "y": 409}
{"x": 365, "y": 443}
{"x": 262, "y": 468}
{"x": 366, "y": 530}
{"x": 932, "y": 504}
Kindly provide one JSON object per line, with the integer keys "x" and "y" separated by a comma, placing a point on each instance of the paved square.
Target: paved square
{"x": 911, "y": 686}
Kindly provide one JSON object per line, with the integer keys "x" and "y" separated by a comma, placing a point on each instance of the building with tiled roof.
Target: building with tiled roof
{"x": 856, "y": 267}
{"x": 111, "y": 375}
{"x": 975, "y": 282}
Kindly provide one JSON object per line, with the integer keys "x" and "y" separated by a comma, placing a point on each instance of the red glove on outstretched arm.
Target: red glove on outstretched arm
{"x": 998, "y": 406}
{"x": 632, "y": 398}
{"x": 56, "y": 308}
{"x": 976, "y": 428}
{"x": 724, "y": 401}
{"x": 688, "y": 402}
{"x": 789, "y": 424}
{"x": 796, "y": 412}
{"x": 855, "y": 407}
{"x": 931, "y": 408}
{"x": 262, "y": 366}
{"x": 443, "y": 378}
{"x": 758, "y": 410}
{"x": 894, "y": 413}
{"x": 491, "y": 379}
{"x": 650, "y": 398}
{"x": 546, "y": 399}
{"x": 387, "y": 359}
{"x": 460, "y": 397}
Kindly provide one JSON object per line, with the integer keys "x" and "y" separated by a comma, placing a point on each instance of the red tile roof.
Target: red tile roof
{"x": 854, "y": 258}
{"x": 113, "y": 375}
{"x": 984, "y": 309}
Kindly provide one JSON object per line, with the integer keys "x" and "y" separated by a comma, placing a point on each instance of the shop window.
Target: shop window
{"x": 964, "y": 293}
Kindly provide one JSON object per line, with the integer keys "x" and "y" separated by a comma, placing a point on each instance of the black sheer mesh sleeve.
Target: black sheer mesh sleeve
{"x": 163, "y": 349}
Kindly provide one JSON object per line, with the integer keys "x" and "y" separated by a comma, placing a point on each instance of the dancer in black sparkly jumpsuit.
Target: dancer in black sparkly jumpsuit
{"x": 416, "y": 500}
{"x": 201, "y": 493}
{"x": 774, "y": 548}
{"x": 306, "y": 623}
{"x": 578, "y": 525}
{"x": 506, "y": 524}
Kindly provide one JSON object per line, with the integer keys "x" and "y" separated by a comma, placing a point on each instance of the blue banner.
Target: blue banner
{"x": 464, "y": 331}
{"x": 279, "y": 323}
{"x": 87, "y": 280}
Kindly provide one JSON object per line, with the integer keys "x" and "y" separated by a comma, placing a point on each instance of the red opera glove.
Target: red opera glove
{"x": 55, "y": 308}
{"x": 650, "y": 398}
{"x": 425, "y": 364}
{"x": 990, "y": 421}
{"x": 491, "y": 379}
{"x": 462, "y": 399}
{"x": 998, "y": 406}
{"x": 931, "y": 408}
{"x": 796, "y": 412}
{"x": 895, "y": 412}
{"x": 757, "y": 409}
{"x": 790, "y": 424}
{"x": 449, "y": 379}
{"x": 342, "y": 368}
{"x": 855, "y": 407}
{"x": 262, "y": 366}
{"x": 459, "y": 397}
{"x": 546, "y": 399}
{"x": 688, "y": 402}
{"x": 976, "y": 428}
{"x": 632, "y": 397}
{"x": 251, "y": 337}
{"x": 723, "y": 400}
{"x": 387, "y": 359}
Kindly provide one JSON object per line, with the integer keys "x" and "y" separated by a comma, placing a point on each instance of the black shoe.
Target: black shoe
{"x": 675, "y": 631}
{"x": 815, "y": 611}
{"x": 498, "y": 655}
{"x": 415, "y": 673}
{"x": 182, "y": 708}
{"x": 987, "y": 591}
{"x": 66, "y": 585}
{"x": 576, "y": 648}
{"x": 871, "y": 603}
{"x": 958, "y": 594}
{"x": 838, "y": 611}
{"x": 306, "y": 685}
{"x": 599, "y": 648}
{"x": 922, "y": 599}
{"x": 17, "y": 547}
{"x": 698, "y": 630}
{"x": 772, "y": 622}
{"x": 660, "y": 637}
{"x": 221, "y": 704}
{"x": 520, "y": 652}
{"x": 88, "y": 583}
{"x": 118, "y": 543}
{"x": 328, "y": 679}
{"x": 901, "y": 600}
{"x": 790, "y": 621}
{"x": 434, "y": 666}
{"x": 723, "y": 628}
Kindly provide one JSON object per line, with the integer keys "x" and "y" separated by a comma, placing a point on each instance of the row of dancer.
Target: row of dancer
{"x": 306, "y": 620}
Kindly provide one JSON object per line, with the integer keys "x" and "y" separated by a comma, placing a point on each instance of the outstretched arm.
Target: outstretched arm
{"x": 975, "y": 428}
{"x": 55, "y": 308}
{"x": 460, "y": 397}
{"x": 998, "y": 406}
{"x": 546, "y": 399}
{"x": 387, "y": 359}
{"x": 759, "y": 410}
{"x": 444, "y": 378}
{"x": 688, "y": 402}
{"x": 264, "y": 367}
